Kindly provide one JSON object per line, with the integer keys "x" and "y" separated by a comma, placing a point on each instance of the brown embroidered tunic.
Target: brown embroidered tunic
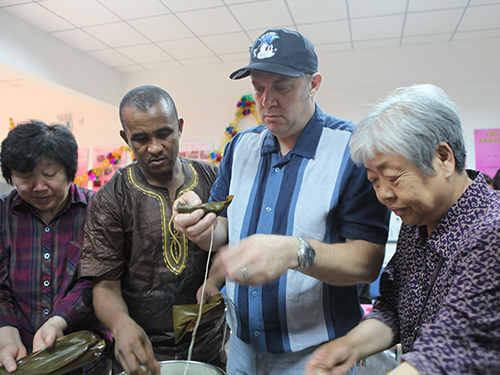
{"x": 129, "y": 236}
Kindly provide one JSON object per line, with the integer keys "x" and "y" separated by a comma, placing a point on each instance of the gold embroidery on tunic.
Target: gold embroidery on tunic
{"x": 174, "y": 243}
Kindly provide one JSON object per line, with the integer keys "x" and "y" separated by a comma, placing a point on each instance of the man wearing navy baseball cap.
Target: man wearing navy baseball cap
{"x": 304, "y": 226}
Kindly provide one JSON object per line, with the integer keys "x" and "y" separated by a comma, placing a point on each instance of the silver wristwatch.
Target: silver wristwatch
{"x": 306, "y": 255}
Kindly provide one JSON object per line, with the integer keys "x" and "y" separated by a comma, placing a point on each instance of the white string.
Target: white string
{"x": 190, "y": 351}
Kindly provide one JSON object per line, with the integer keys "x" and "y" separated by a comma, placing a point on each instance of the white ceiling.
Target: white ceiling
{"x": 139, "y": 35}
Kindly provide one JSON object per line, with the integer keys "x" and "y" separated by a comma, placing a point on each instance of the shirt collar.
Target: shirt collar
{"x": 439, "y": 238}
{"x": 308, "y": 140}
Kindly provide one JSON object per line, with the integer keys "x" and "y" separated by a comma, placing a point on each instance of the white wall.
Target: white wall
{"x": 31, "y": 54}
{"x": 467, "y": 71}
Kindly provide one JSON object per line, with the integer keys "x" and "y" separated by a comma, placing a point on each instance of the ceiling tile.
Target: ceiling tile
{"x": 131, "y": 9}
{"x": 377, "y": 27}
{"x": 379, "y": 43}
{"x": 334, "y": 47}
{"x": 483, "y": 2}
{"x": 111, "y": 58}
{"x": 327, "y": 32}
{"x": 184, "y": 5}
{"x": 243, "y": 57}
{"x": 317, "y": 11}
{"x": 13, "y": 2}
{"x": 271, "y": 14}
{"x": 228, "y": 43}
{"x": 441, "y": 21}
{"x": 131, "y": 69}
{"x": 118, "y": 34}
{"x": 473, "y": 35}
{"x": 200, "y": 61}
{"x": 363, "y": 8}
{"x": 424, "y": 5}
{"x": 186, "y": 48}
{"x": 80, "y": 12}
{"x": 39, "y": 17}
{"x": 424, "y": 39}
{"x": 162, "y": 28}
{"x": 163, "y": 65}
{"x": 481, "y": 18}
{"x": 210, "y": 21}
{"x": 145, "y": 53}
{"x": 80, "y": 40}
{"x": 255, "y": 2}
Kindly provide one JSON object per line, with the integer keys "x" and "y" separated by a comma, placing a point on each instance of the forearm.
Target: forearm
{"x": 346, "y": 263}
{"x": 405, "y": 369}
{"x": 218, "y": 236}
{"x": 217, "y": 277}
{"x": 109, "y": 306}
{"x": 370, "y": 337}
{"x": 76, "y": 304}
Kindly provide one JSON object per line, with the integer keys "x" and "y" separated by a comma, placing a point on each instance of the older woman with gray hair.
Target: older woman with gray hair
{"x": 440, "y": 292}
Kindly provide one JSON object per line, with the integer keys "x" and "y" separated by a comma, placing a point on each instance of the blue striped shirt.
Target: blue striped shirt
{"x": 314, "y": 191}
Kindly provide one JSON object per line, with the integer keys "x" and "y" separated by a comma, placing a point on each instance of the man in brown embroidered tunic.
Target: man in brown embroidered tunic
{"x": 141, "y": 266}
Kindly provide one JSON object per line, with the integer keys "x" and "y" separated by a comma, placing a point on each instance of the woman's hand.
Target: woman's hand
{"x": 11, "y": 348}
{"x": 49, "y": 332}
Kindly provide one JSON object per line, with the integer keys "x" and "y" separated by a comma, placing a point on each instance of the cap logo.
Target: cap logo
{"x": 266, "y": 50}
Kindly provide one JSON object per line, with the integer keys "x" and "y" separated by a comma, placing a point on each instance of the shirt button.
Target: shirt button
{"x": 47, "y": 229}
{"x": 46, "y": 256}
{"x": 276, "y": 170}
{"x": 46, "y": 311}
{"x": 417, "y": 328}
{"x": 268, "y": 209}
{"x": 254, "y": 293}
{"x": 256, "y": 333}
{"x": 46, "y": 283}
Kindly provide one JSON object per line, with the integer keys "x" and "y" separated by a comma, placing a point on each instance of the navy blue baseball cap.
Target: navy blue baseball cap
{"x": 280, "y": 51}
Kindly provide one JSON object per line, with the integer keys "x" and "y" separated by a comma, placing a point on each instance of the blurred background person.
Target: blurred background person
{"x": 495, "y": 181}
{"x": 488, "y": 180}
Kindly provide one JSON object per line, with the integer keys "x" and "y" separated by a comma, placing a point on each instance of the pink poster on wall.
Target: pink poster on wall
{"x": 83, "y": 157}
{"x": 487, "y": 150}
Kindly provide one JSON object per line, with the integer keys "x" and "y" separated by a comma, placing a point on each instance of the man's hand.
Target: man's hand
{"x": 194, "y": 225}
{"x": 210, "y": 290}
{"x": 49, "y": 332}
{"x": 11, "y": 348}
{"x": 264, "y": 257}
{"x": 133, "y": 349}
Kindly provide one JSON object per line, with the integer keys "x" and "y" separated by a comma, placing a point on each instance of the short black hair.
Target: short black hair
{"x": 33, "y": 141}
{"x": 144, "y": 97}
{"x": 487, "y": 178}
{"x": 495, "y": 181}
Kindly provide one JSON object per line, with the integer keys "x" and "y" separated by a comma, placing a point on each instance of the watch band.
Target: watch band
{"x": 306, "y": 255}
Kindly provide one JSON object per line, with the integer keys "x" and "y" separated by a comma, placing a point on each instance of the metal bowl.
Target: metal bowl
{"x": 194, "y": 368}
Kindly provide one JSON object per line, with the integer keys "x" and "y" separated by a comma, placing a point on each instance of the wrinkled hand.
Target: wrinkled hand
{"x": 210, "y": 290}
{"x": 133, "y": 349}
{"x": 265, "y": 258}
{"x": 49, "y": 332}
{"x": 334, "y": 358}
{"x": 11, "y": 348}
{"x": 193, "y": 225}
